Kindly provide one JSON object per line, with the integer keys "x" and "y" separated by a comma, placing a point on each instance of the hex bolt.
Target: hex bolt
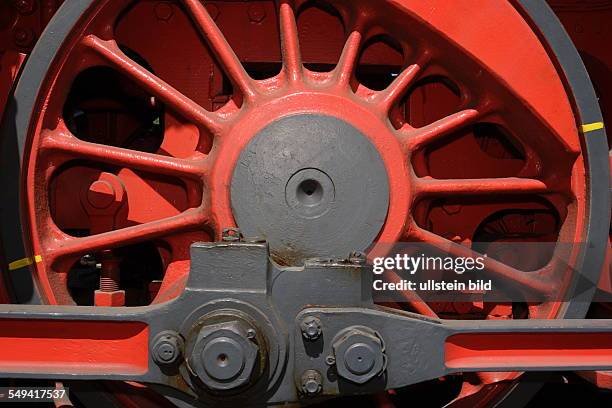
{"x": 101, "y": 194}
{"x": 311, "y": 383}
{"x": 103, "y": 197}
{"x": 251, "y": 333}
{"x": 360, "y": 354}
{"x": 167, "y": 348}
{"x": 311, "y": 328}
{"x": 109, "y": 271}
{"x": 225, "y": 355}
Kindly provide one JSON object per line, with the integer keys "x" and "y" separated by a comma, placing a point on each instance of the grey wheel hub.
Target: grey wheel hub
{"x": 312, "y": 186}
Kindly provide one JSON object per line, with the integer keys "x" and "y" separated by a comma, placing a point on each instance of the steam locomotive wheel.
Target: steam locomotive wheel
{"x": 322, "y": 126}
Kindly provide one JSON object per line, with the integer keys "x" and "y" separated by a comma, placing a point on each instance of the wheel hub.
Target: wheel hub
{"x": 464, "y": 137}
{"x": 311, "y": 185}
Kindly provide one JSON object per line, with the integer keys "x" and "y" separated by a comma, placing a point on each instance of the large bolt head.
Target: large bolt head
{"x": 101, "y": 194}
{"x": 224, "y": 356}
{"x": 359, "y": 354}
{"x": 360, "y": 358}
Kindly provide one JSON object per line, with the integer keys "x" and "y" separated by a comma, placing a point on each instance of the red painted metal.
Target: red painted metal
{"x": 74, "y": 346}
{"x": 179, "y": 193}
{"x": 295, "y": 95}
{"x": 465, "y": 351}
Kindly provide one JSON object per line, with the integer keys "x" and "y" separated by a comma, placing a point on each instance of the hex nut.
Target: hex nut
{"x": 167, "y": 348}
{"x": 109, "y": 298}
{"x": 359, "y": 353}
{"x": 224, "y": 356}
{"x": 311, "y": 328}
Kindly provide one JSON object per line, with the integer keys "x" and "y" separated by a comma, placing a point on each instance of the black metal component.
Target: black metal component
{"x": 223, "y": 356}
{"x": 242, "y": 318}
{"x": 167, "y": 348}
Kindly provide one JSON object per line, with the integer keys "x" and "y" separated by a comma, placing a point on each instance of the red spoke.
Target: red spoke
{"x": 412, "y": 298}
{"x": 398, "y": 88}
{"x": 110, "y": 51}
{"x": 221, "y": 48}
{"x": 63, "y": 142}
{"x": 189, "y": 220}
{"x": 427, "y": 186}
{"x": 290, "y": 43}
{"x": 418, "y": 138}
{"x": 496, "y": 269}
{"x": 348, "y": 60}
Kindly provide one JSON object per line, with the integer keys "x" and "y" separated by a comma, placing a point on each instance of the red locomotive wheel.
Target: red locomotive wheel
{"x": 322, "y": 126}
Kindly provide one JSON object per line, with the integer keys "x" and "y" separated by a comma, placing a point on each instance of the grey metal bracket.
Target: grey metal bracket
{"x": 302, "y": 333}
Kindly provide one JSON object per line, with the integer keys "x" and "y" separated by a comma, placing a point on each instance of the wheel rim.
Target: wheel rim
{"x": 295, "y": 90}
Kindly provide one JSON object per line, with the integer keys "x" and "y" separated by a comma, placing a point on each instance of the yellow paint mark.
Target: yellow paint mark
{"x": 22, "y": 263}
{"x": 589, "y": 127}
